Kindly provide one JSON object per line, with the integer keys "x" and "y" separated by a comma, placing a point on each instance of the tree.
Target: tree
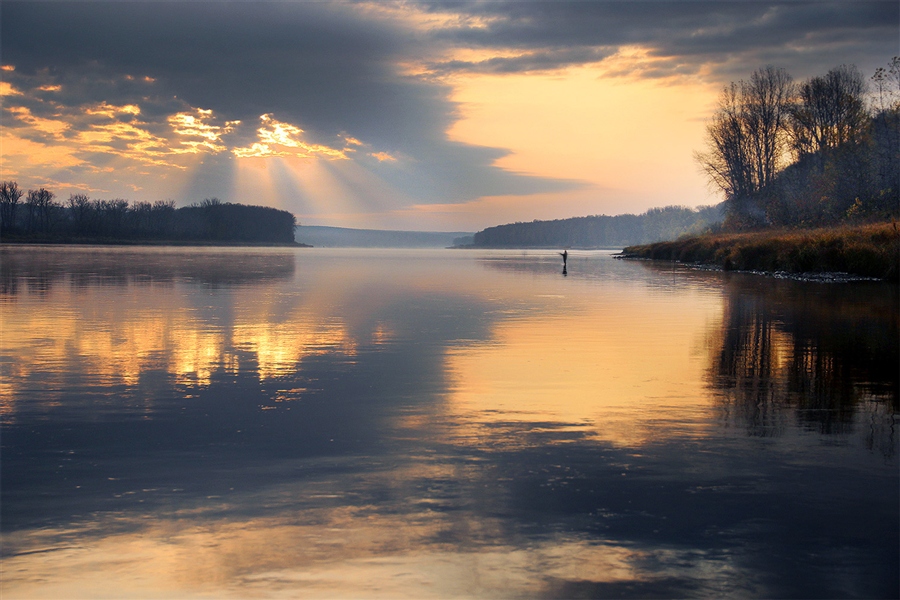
{"x": 80, "y": 209}
{"x": 726, "y": 161}
{"x": 767, "y": 100}
{"x": 746, "y": 141}
{"x": 887, "y": 85}
{"x": 830, "y": 111}
{"x": 162, "y": 215}
{"x": 9, "y": 199}
{"x": 40, "y": 207}
{"x": 141, "y": 219}
{"x": 111, "y": 216}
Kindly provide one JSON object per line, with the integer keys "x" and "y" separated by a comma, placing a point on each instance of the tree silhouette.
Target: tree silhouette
{"x": 746, "y": 140}
{"x": 40, "y": 207}
{"x": 9, "y": 199}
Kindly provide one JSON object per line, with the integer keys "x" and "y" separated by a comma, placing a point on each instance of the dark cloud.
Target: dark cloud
{"x": 806, "y": 37}
{"x": 305, "y": 63}
{"x": 541, "y": 60}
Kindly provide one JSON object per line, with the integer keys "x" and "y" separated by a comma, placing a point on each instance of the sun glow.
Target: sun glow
{"x": 609, "y": 133}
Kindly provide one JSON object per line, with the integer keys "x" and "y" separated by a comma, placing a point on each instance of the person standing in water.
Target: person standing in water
{"x": 565, "y": 255}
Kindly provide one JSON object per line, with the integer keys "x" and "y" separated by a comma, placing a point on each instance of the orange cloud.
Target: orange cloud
{"x": 6, "y": 89}
{"x": 110, "y": 110}
{"x": 51, "y": 127}
{"x": 21, "y": 155}
{"x": 197, "y": 125}
{"x": 277, "y": 138}
{"x": 383, "y": 157}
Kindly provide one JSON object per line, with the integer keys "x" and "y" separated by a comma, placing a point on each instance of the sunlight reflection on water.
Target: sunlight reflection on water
{"x": 267, "y": 422}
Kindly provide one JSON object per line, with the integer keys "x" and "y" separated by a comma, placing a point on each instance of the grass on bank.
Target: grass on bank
{"x": 871, "y": 250}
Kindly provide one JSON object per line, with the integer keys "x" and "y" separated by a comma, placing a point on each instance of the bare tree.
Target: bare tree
{"x": 112, "y": 216}
{"x": 830, "y": 111}
{"x": 746, "y": 140}
{"x": 162, "y": 215}
{"x": 885, "y": 133}
{"x": 767, "y": 103}
{"x": 726, "y": 161}
{"x": 140, "y": 217}
{"x": 40, "y": 207}
{"x": 9, "y": 199}
{"x": 887, "y": 85}
{"x": 80, "y": 209}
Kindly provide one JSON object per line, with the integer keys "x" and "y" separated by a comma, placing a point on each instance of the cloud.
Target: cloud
{"x": 199, "y": 132}
{"x": 283, "y": 139}
{"x": 383, "y": 156}
{"x": 537, "y": 60}
{"x": 725, "y": 37}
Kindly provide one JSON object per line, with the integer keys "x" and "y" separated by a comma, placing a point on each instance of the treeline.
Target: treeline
{"x": 602, "y": 231}
{"x": 35, "y": 215}
{"x": 820, "y": 152}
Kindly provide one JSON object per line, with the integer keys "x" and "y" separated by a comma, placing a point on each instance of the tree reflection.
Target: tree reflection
{"x": 35, "y": 270}
{"x": 824, "y": 356}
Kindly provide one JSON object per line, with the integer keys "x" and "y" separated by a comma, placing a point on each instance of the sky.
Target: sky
{"x": 435, "y": 116}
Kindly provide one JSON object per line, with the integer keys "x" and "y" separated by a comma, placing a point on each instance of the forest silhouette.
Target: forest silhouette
{"x": 40, "y": 218}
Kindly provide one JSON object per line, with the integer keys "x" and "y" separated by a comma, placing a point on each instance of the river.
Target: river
{"x": 208, "y": 422}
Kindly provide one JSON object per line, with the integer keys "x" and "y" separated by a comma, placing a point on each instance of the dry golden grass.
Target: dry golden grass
{"x": 871, "y": 250}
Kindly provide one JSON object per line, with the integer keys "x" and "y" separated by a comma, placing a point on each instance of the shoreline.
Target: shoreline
{"x": 868, "y": 252}
{"x": 808, "y": 276}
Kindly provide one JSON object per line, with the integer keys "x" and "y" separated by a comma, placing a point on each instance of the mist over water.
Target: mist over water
{"x": 435, "y": 423}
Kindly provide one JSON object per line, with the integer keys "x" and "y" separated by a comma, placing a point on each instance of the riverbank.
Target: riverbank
{"x": 871, "y": 250}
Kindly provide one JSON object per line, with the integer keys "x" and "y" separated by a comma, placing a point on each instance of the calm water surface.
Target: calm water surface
{"x": 368, "y": 423}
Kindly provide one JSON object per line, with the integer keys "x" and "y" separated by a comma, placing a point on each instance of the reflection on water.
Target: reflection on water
{"x": 268, "y": 422}
{"x": 823, "y": 356}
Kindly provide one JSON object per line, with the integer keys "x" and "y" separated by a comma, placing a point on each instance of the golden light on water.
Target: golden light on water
{"x": 279, "y": 348}
{"x": 591, "y": 366}
{"x": 337, "y": 553}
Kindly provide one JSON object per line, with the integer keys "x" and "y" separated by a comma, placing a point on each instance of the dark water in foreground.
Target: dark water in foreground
{"x": 312, "y": 423}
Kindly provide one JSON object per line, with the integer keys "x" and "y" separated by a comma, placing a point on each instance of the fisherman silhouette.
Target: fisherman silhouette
{"x": 565, "y": 255}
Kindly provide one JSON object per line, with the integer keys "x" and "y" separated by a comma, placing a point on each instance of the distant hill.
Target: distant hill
{"x": 602, "y": 231}
{"x": 342, "y": 237}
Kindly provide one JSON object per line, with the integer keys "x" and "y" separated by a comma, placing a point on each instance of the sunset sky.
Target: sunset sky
{"x": 445, "y": 116}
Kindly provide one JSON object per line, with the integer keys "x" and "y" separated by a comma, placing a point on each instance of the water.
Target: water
{"x": 375, "y": 423}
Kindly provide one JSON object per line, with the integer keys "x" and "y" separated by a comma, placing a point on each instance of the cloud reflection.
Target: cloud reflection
{"x": 338, "y": 553}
